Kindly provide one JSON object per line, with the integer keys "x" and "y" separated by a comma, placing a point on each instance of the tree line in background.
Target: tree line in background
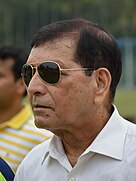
{"x": 20, "y": 19}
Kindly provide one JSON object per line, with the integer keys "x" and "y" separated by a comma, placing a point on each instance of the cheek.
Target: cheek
{"x": 7, "y": 95}
{"x": 7, "y": 88}
{"x": 72, "y": 100}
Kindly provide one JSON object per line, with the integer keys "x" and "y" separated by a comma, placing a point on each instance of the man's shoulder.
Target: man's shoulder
{"x": 131, "y": 131}
{"x": 41, "y": 148}
{"x": 37, "y": 153}
{"x": 31, "y": 164}
{"x": 129, "y": 148}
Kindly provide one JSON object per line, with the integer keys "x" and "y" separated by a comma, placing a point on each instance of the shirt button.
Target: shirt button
{"x": 72, "y": 179}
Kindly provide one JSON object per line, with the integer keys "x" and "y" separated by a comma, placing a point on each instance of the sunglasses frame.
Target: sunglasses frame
{"x": 35, "y": 69}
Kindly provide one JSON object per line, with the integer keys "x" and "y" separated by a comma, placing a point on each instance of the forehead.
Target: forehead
{"x": 6, "y": 65}
{"x": 62, "y": 50}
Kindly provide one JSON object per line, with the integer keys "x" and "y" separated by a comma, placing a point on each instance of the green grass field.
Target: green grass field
{"x": 125, "y": 100}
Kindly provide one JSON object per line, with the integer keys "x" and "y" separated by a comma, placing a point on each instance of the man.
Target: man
{"x": 18, "y": 134}
{"x": 71, "y": 77}
{"x": 6, "y": 174}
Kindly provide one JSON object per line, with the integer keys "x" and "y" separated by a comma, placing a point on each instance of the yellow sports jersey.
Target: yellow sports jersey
{"x": 18, "y": 136}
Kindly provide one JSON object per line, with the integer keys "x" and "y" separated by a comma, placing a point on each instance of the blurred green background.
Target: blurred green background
{"x": 20, "y": 19}
{"x": 125, "y": 100}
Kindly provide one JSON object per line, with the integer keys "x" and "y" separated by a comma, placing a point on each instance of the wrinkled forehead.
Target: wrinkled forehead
{"x": 61, "y": 49}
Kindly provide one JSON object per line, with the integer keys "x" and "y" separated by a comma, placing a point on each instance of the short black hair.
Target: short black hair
{"x": 94, "y": 46}
{"x": 18, "y": 55}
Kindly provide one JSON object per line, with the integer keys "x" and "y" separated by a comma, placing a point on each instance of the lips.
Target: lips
{"x": 39, "y": 106}
{"x": 41, "y": 103}
{"x": 41, "y": 110}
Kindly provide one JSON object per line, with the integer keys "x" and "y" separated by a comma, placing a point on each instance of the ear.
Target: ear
{"x": 20, "y": 87}
{"x": 102, "y": 85}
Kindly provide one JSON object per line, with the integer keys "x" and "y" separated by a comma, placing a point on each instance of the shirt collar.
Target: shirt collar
{"x": 55, "y": 148}
{"x": 19, "y": 119}
{"x": 110, "y": 141}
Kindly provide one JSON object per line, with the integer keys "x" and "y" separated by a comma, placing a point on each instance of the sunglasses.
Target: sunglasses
{"x": 49, "y": 72}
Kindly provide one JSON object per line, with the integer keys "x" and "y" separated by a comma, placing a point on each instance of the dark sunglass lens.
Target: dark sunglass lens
{"x": 27, "y": 74}
{"x": 49, "y": 72}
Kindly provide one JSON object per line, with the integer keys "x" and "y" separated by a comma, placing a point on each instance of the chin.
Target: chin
{"x": 42, "y": 123}
{"x": 39, "y": 124}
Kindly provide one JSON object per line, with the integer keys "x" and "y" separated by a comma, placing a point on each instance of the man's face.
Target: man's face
{"x": 7, "y": 84}
{"x": 65, "y": 105}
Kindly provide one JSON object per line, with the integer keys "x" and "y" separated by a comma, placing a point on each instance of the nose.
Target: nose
{"x": 36, "y": 85}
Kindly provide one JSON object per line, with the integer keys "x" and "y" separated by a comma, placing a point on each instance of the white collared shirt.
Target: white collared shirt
{"x": 111, "y": 157}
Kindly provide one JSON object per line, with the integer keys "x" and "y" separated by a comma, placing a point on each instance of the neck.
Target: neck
{"x": 9, "y": 112}
{"x": 76, "y": 142}
{"x": 75, "y": 145}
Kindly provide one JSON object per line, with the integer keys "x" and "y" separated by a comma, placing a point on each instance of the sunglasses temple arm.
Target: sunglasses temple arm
{"x": 77, "y": 69}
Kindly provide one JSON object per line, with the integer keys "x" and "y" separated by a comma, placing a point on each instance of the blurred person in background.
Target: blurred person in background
{"x": 18, "y": 134}
{"x": 6, "y": 174}
{"x": 71, "y": 76}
